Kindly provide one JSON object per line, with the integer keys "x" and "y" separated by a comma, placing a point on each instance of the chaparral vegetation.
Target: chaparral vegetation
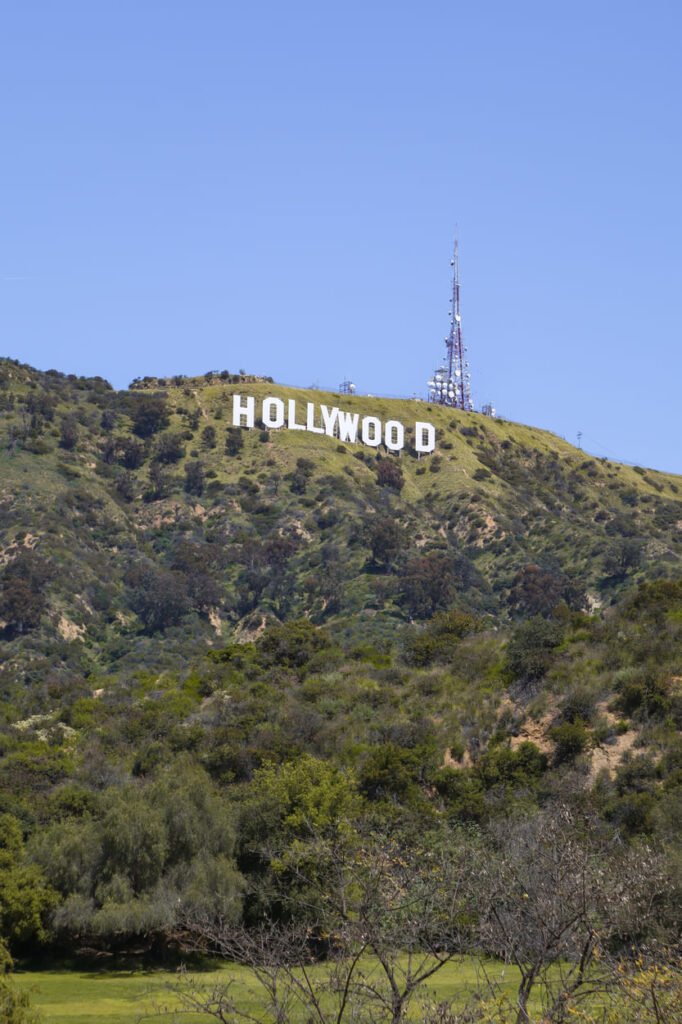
{"x": 399, "y": 736}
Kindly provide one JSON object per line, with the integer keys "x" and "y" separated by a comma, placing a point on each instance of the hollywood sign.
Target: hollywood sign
{"x": 350, "y": 427}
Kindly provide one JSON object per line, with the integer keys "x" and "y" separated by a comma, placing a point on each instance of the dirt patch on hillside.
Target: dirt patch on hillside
{"x": 9, "y": 553}
{"x": 530, "y": 730}
{"x": 487, "y": 531}
{"x": 535, "y": 731}
{"x": 451, "y": 762}
{"x": 68, "y": 630}
{"x": 246, "y": 634}
{"x": 609, "y": 756}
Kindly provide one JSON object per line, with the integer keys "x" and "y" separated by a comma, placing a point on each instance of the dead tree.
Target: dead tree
{"x": 558, "y": 894}
{"x": 385, "y": 927}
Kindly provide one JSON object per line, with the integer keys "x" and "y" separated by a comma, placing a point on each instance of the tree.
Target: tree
{"x": 125, "y": 485}
{"x": 131, "y": 453}
{"x": 25, "y": 897}
{"x": 537, "y": 591}
{"x": 622, "y": 556}
{"x": 169, "y": 448}
{"x": 555, "y": 893}
{"x": 389, "y": 474}
{"x": 530, "y": 651}
{"x": 194, "y": 478}
{"x": 234, "y": 440}
{"x": 68, "y": 433}
{"x": 386, "y": 539}
{"x": 387, "y": 921}
{"x": 198, "y": 564}
{"x": 150, "y": 414}
{"x": 158, "y": 596}
{"x": 152, "y": 854}
{"x": 160, "y": 483}
{"x": 208, "y": 437}
{"x": 23, "y": 599}
{"x": 426, "y": 585}
{"x": 21, "y": 607}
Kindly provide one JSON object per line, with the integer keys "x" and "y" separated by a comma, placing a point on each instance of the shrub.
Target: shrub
{"x": 386, "y": 539}
{"x": 22, "y": 592}
{"x": 293, "y": 644}
{"x": 503, "y": 766}
{"x": 130, "y": 453}
{"x": 68, "y": 433}
{"x": 15, "y": 1006}
{"x": 571, "y": 738}
{"x": 531, "y": 649}
{"x": 208, "y": 437}
{"x": 234, "y": 441}
{"x": 158, "y": 596}
{"x": 169, "y": 448}
{"x": 150, "y": 414}
{"x": 578, "y": 706}
{"x": 389, "y": 474}
{"x": 426, "y": 585}
{"x": 194, "y": 478}
{"x": 439, "y": 639}
{"x": 461, "y": 792}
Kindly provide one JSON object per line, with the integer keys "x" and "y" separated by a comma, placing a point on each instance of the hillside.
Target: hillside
{"x": 141, "y": 522}
{"x": 242, "y": 668}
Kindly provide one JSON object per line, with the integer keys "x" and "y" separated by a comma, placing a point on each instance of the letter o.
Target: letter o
{"x": 371, "y": 431}
{"x": 394, "y": 436}
{"x": 275, "y": 418}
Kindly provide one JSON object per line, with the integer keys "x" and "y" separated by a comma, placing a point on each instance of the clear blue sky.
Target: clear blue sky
{"x": 203, "y": 184}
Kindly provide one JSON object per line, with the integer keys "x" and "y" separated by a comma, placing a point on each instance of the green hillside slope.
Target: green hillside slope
{"x": 238, "y": 666}
{"x": 141, "y": 521}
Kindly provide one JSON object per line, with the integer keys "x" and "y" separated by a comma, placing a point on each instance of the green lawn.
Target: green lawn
{"x": 120, "y": 997}
{"x": 107, "y": 997}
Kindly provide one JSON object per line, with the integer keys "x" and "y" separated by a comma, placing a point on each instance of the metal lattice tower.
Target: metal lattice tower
{"x": 451, "y": 382}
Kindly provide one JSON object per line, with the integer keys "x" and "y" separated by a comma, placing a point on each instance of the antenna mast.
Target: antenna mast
{"x": 451, "y": 382}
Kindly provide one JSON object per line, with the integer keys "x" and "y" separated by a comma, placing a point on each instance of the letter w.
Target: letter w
{"x": 348, "y": 425}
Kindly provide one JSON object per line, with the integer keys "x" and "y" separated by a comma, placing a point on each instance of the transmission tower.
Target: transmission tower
{"x": 451, "y": 382}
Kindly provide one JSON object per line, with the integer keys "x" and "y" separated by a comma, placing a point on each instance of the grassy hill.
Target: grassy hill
{"x": 104, "y": 493}
{"x": 228, "y": 656}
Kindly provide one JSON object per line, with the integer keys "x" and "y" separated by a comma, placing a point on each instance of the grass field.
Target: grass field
{"x": 120, "y": 997}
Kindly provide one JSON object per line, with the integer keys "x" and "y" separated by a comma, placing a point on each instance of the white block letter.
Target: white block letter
{"x": 371, "y": 431}
{"x": 310, "y": 420}
{"x": 292, "y": 424}
{"x": 394, "y": 436}
{"x": 329, "y": 418}
{"x": 348, "y": 426}
{"x": 424, "y": 437}
{"x": 239, "y": 411}
{"x": 274, "y": 418}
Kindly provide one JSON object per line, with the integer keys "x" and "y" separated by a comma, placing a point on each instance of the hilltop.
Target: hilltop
{"x": 141, "y": 521}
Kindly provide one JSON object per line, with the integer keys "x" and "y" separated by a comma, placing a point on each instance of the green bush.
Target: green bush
{"x": 530, "y": 652}
{"x": 571, "y": 739}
